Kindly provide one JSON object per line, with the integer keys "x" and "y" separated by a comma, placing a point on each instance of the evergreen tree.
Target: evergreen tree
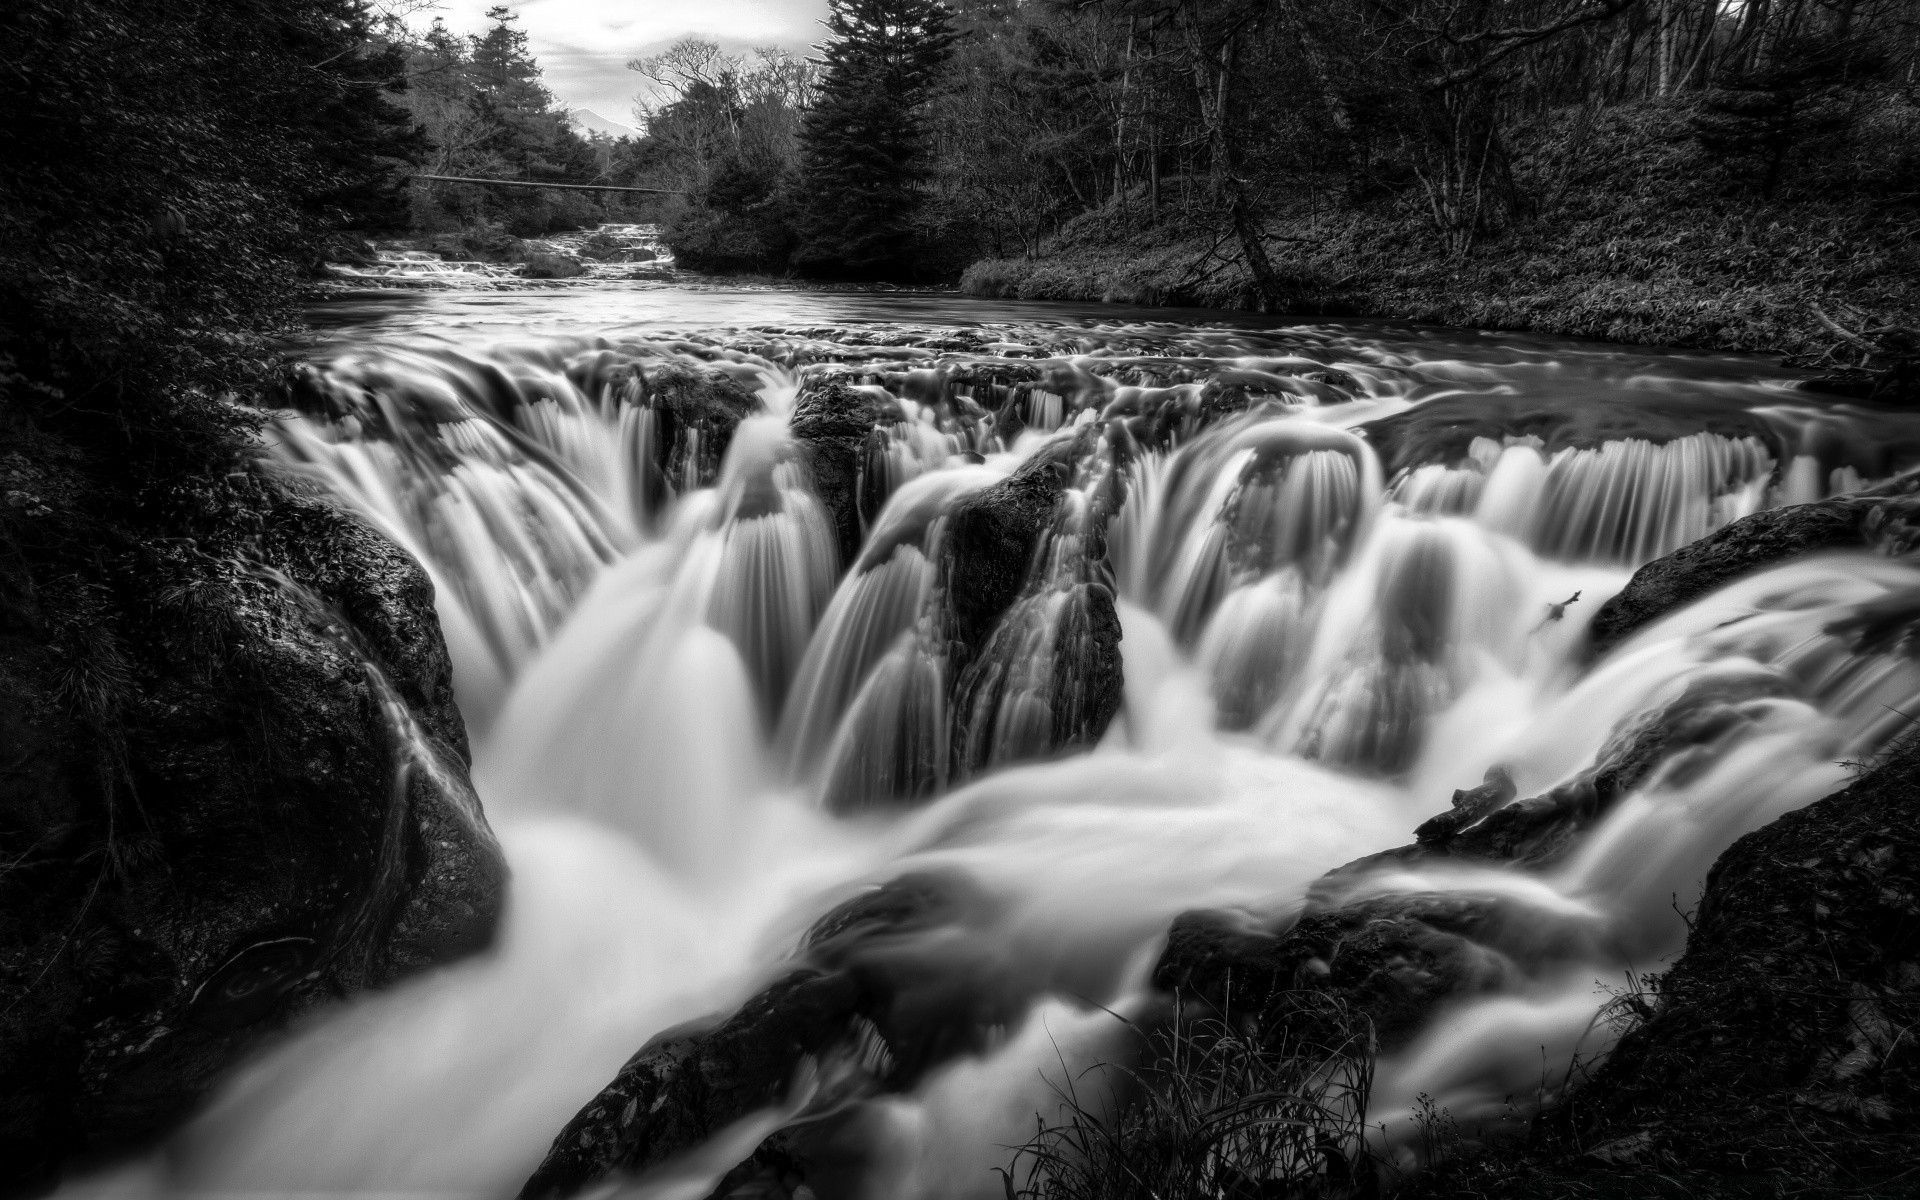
{"x": 865, "y": 141}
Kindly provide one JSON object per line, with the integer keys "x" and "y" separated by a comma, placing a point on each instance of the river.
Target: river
{"x": 1341, "y": 557}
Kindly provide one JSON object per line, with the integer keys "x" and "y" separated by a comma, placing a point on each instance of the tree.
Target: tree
{"x": 864, "y": 143}
{"x": 724, "y": 130}
{"x": 485, "y": 112}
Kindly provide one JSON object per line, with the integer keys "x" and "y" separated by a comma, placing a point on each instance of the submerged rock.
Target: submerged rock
{"x": 214, "y": 815}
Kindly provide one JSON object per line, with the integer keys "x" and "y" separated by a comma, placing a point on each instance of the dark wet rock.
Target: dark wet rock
{"x": 1680, "y": 740}
{"x": 211, "y": 823}
{"x": 1886, "y": 520}
{"x": 1391, "y": 959}
{"x": 886, "y": 986}
{"x": 992, "y": 536}
{"x": 1777, "y": 1056}
{"x": 997, "y": 605}
{"x": 1385, "y": 962}
{"x": 1342, "y": 384}
{"x": 1791, "y": 1014}
{"x": 544, "y": 265}
{"x": 1087, "y": 669}
{"x": 842, "y": 428}
{"x": 1442, "y": 429}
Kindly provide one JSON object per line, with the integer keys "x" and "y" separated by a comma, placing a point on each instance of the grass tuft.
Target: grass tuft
{"x": 1214, "y": 1112}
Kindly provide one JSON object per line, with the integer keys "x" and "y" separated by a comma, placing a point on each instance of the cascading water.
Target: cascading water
{"x": 698, "y": 728}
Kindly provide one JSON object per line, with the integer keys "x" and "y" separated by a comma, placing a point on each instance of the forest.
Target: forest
{"x": 1243, "y": 142}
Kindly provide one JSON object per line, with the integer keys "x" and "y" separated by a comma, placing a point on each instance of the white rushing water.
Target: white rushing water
{"x": 693, "y": 729}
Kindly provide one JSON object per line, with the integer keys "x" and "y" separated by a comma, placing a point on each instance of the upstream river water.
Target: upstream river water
{"x": 1340, "y": 555}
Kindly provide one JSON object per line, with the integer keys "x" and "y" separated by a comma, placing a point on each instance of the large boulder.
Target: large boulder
{"x": 234, "y": 790}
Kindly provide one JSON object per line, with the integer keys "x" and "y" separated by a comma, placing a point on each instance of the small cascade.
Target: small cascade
{"x": 1074, "y": 626}
{"x": 1258, "y": 495}
{"x": 872, "y": 617}
{"x": 777, "y": 560}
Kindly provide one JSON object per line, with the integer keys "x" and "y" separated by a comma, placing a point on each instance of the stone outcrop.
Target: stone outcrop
{"x": 234, "y": 789}
{"x": 1885, "y": 520}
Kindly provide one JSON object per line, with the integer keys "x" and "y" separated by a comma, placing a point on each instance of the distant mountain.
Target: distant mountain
{"x": 588, "y": 121}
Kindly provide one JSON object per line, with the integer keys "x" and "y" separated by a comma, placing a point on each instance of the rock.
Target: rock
{"x": 994, "y": 613}
{"x": 887, "y": 985}
{"x": 1442, "y": 429}
{"x": 991, "y": 538}
{"x": 1777, "y": 1054}
{"x": 1383, "y": 963}
{"x": 211, "y": 822}
{"x": 543, "y": 265}
{"x": 1885, "y": 519}
{"x": 1392, "y": 959}
{"x": 1784, "y": 1019}
{"x": 835, "y": 421}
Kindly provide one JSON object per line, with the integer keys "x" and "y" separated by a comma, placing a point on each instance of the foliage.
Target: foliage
{"x": 820, "y": 165}
{"x": 1231, "y": 125}
{"x": 166, "y": 169}
{"x": 1214, "y": 1113}
{"x": 725, "y": 130}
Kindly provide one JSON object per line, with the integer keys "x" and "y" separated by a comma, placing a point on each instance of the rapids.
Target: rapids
{"x": 699, "y": 723}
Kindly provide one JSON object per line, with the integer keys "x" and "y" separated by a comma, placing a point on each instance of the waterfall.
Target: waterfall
{"x": 698, "y": 729}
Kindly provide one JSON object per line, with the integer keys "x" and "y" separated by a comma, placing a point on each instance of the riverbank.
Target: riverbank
{"x": 1637, "y": 236}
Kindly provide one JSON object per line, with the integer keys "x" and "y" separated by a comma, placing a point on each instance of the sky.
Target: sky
{"x": 583, "y": 45}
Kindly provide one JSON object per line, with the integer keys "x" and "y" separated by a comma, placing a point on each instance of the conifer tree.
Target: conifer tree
{"x": 865, "y": 141}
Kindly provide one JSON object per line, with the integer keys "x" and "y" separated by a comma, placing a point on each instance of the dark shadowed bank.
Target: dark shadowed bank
{"x": 233, "y": 783}
{"x": 1639, "y": 234}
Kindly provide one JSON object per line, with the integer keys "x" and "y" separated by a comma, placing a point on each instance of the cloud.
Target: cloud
{"x": 583, "y": 45}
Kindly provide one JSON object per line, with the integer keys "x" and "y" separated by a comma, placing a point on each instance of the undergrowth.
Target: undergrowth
{"x": 1636, "y": 235}
{"x": 1212, "y": 1111}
